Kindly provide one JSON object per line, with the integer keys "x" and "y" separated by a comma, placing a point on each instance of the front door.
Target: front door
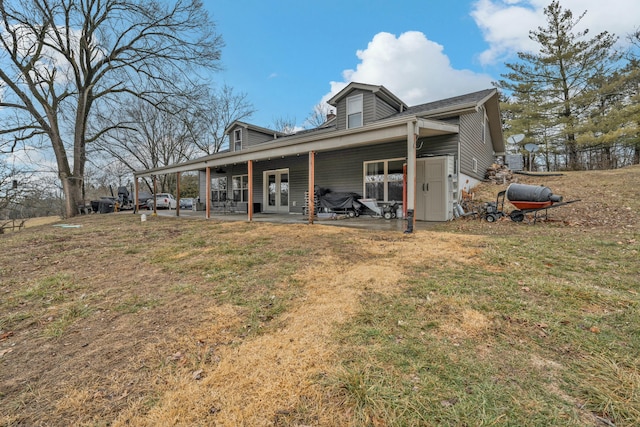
{"x": 276, "y": 191}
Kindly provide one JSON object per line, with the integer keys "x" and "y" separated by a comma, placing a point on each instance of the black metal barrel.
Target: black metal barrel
{"x": 531, "y": 193}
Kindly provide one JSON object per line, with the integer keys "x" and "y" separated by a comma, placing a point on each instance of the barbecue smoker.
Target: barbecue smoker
{"x": 527, "y": 199}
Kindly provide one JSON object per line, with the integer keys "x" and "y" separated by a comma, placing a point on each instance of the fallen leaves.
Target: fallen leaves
{"x": 6, "y": 335}
{"x": 197, "y": 375}
{"x": 5, "y": 351}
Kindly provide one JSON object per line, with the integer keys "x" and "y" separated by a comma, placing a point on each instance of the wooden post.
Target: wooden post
{"x": 312, "y": 173}
{"x": 404, "y": 190}
{"x": 137, "y": 192}
{"x": 208, "y": 195}
{"x": 177, "y": 194}
{"x": 250, "y": 189}
{"x": 412, "y": 138}
{"x": 155, "y": 191}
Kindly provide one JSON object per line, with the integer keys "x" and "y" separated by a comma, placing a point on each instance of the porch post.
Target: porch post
{"x": 136, "y": 206}
{"x": 207, "y": 198}
{"x": 250, "y": 189}
{"x": 411, "y": 175}
{"x": 155, "y": 199}
{"x": 404, "y": 190}
{"x": 177, "y": 194}
{"x": 311, "y": 197}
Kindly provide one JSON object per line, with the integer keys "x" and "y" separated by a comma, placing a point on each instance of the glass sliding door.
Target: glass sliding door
{"x": 276, "y": 191}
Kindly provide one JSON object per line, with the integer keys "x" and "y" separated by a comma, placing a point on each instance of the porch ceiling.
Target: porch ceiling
{"x": 377, "y": 133}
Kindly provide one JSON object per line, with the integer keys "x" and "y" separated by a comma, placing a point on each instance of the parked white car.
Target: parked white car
{"x": 163, "y": 201}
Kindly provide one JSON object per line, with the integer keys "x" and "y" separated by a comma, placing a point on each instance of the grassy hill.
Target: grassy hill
{"x": 189, "y": 322}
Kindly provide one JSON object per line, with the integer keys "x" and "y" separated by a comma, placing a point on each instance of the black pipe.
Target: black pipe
{"x": 409, "y": 228}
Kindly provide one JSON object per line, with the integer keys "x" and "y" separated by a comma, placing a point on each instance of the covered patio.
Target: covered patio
{"x": 401, "y": 131}
{"x": 362, "y": 222}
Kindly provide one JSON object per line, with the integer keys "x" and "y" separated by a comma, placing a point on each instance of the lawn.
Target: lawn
{"x": 190, "y": 322}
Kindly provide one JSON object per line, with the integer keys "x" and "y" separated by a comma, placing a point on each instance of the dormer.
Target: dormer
{"x": 359, "y": 104}
{"x": 243, "y": 135}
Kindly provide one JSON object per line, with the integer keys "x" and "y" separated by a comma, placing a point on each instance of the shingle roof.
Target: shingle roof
{"x": 448, "y": 104}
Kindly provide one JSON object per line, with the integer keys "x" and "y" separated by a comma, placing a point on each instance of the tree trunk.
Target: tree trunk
{"x": 72, "y": 187}
{"x": 573, "y": 162}
{"x": 71, "y": 182}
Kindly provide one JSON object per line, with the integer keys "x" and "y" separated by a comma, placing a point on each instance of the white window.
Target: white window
{"x": 240, "y": 187}
{"x": 354, "y": 111}
{"x": 475, "y": 165}
{"x": 237, "y": 140}
{"x": 219, "y": 189}
{"x": 383, "y": 180}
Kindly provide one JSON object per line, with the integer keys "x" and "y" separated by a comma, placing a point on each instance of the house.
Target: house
{"x": 374, "y": 145}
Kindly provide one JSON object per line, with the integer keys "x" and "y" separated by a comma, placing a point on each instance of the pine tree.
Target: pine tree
{"x": 611, "y": 129}
{"x": 561, "y": 78}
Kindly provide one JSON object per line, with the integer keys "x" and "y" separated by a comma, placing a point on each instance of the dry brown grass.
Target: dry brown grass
{"x": 160, "y": 334}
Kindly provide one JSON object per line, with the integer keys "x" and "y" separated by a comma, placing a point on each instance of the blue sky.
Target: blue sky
{"x": 289, "y": 55}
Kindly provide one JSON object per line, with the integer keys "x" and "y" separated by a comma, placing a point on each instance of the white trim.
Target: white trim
{"x": 485, "y": 125}
{"x": 385, "y": 173}
{"x": 241, "y": 189}
{"x": 218, "y": 190}
{"x": 236, "y": 140}
{"x": 355, "y": 101}
{"x": 265, "y": 193}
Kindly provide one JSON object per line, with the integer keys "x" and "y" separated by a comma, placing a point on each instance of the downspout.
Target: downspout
{"x": 458, "y": 166}
{"x": 250, "y": 185}
{"x": 311, "y": 190}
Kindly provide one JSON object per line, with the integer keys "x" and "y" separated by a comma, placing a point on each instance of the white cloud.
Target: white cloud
{"x": 505, "y": 24}
{"x": 411, "y": 66}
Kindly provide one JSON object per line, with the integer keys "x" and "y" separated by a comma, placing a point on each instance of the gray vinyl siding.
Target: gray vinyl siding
{"x": 383, "y": 109}
{"x": 250, "y": 137}
{"x": 473, "y": 147}
{"x": 368, "y": 107}
{"x": 340, "y": 170}
{"x": 255, "y": 138}
{"x": 444, "y": 145}
{"x": 298, "y": 179}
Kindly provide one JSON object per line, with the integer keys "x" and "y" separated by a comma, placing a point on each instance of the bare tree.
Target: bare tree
{"x": 148, "y": 138}
{"x": 286, "y": 125}
{"x": 213, "y": 115}
{"x": 61, "y": 61}
{"x": 8, "y": 187}
{"x": 321, "y": 113}
{"x": 15, "y": 187}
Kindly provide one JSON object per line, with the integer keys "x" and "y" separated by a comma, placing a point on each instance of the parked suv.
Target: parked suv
{"x": 186, "y": 203}
{"x": 163, "y": 201}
